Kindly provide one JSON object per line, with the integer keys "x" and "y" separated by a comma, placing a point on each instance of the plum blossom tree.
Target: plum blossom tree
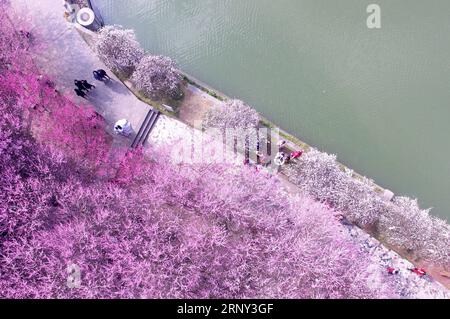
{"x": 30, "y": 173}
{"x": 79, "y": 131}
{"x": 14, "y": 43}
{"x": 171, "y": 234}
{"x": 118, "y": 49}
{"x": 55, "y": 119}
{"x": 400, "y": 222}
{"x": 169, "y": 231}
{"x": 157, "y": 77}
{"x": 319, "y": 175}
{"x": 407, "y": 221}
{"x": 153, "y": 230}
{"x": 235, "y": 120}
{"x": 233, "y": 114}
{"x": 407, "y": 226}
{"x": 43, "y": 111}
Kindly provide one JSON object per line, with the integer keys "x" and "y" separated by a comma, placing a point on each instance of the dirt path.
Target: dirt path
{"x": 195, "y": 104}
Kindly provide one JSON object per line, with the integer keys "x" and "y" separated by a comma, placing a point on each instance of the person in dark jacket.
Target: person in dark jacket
{"x": 79, "y": 85}
{"x": 103, "y": 74}
{"x": 80, "y": 93}
{"x": 97, "y": 76}
{"x": 87, "y": 85}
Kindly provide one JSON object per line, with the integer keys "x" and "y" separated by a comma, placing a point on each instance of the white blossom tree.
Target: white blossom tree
{"x": 233, "y": 114}
{"x": 157, "y": 77}
{"x": 407, "y": 226}
{"x": 321, "y": 176}
{"x": 400, "y": 223}
{"x": 118, "y": 49}
{"x": 237, "y": 121}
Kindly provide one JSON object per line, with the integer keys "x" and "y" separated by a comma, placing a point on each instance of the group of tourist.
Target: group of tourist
{"x": 284, "y": 158}
{"x": 280, "y": 159}
{"x": 83, "y": 87}
{"x": 418, "y": 271}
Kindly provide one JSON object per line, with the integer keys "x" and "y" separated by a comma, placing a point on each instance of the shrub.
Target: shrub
{"x": 118, "y": 49}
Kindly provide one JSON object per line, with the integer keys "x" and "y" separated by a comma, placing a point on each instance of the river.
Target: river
{"x": 378, "y": 98}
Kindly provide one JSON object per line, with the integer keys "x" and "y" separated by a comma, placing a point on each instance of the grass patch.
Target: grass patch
{"x": 202, "y": 88}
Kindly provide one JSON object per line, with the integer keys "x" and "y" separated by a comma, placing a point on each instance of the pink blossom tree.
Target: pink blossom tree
{"x": 170, "y": 233}
{"x": 55, "y": 119}
{"x": 157, "y": 77}
{"x": 154, "y": 229}
{"x": 157, "y": 230}
{"x": 162, "y": 230}
{"x": 16, "y": 41}
{"x": 79, "y": 131}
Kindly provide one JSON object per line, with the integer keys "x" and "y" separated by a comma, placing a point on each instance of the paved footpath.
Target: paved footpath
{"x": 68, "y": 57}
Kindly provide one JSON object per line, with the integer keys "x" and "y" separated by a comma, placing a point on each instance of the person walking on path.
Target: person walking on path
{"x": 281, "y": 144}
{"x": 87, "y": 85}
{"x": 97, "y": 76}
{"x": 103, "y": 74}
{"x": 80, "y": 93}
{"x": 79, "y": 85}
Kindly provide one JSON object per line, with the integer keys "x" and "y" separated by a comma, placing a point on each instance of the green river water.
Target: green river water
{"x": 378, "y": 98}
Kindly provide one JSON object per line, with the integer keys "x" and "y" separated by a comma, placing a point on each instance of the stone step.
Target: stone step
{"x": 146, "y": 128}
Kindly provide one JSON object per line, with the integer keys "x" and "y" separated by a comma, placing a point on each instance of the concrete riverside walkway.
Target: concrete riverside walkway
{"x": 68, "y": 57}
